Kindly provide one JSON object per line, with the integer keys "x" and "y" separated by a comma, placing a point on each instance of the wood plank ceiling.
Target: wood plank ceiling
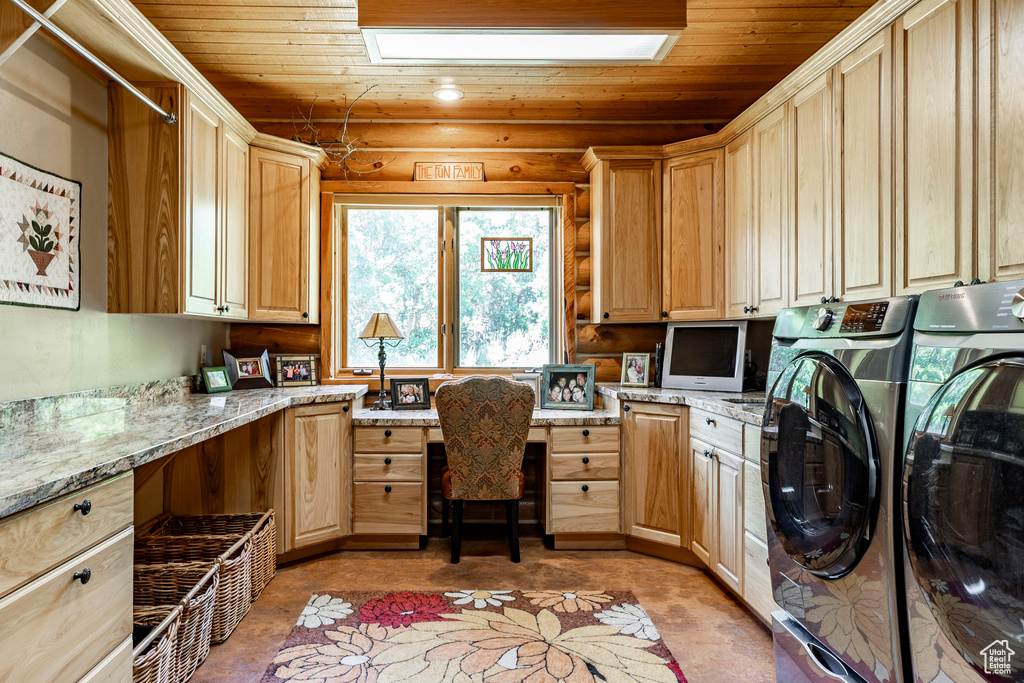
{"x": 271, "y": 58}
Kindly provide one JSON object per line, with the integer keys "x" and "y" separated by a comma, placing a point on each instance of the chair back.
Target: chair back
{"x": 485, "y": 421}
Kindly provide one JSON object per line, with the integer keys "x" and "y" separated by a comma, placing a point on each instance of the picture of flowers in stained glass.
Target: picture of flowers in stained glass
{"x": 506, "y": 254}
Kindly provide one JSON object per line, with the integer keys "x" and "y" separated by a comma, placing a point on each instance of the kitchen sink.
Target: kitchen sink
{"x": 743, "y": 402}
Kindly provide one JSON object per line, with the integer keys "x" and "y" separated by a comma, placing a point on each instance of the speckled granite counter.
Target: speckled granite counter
{"x": 364, "y": 417}
{"x": 53, "y": 445}
{"x": 704, "y": 400}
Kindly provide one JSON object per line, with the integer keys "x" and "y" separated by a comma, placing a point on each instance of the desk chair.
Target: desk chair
{"x": 485, "y": 421}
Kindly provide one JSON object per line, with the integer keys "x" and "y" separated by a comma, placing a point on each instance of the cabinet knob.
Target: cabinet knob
{"x": 387, "y": 489}
{"x": 586, "y": 432}
{"x": 83, "y": 576}
{"x": 305, "y": 314}
{"x": 664, "y": 314}
{"x": 707, "y": 453}
{"x": 746, "y": 309}
{"x": 958, "y": 283}
{"x": 824, "y": 299}
{"x": 754, "y": 309}
{"x": 344, "y": 409}
{"x": 626, "y": 408}
{"x": 833, "y": 299}
{"x": 85, "y": 507}
{"x": 605, "y": 315}
{"x": 586, "y": 460}
{"x": 585, "y": 488}
{"x": 710, "y": 421}
{"x": 227, "y": 308}
{"x": 387, "y": 432}
{"x": 387, "y": 461}
{"x": 220, "y": 309}
{"x": 977, "y": 281}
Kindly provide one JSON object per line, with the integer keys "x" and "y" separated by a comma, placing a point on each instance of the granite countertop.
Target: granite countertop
{"x": 54, "y": 445}
{"x": 704, "y": 400}
{"x": 364, "y": 417}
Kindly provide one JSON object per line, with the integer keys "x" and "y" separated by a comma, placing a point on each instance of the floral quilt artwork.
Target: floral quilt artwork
{"x": 474, "y": 636}
{"x": 39, "y": 229}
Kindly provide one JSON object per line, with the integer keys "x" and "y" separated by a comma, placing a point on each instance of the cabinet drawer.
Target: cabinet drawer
{"x": 720, "y": 432}
{"x": 757, "y": 581}
{"x": 62, "y": 628}
{"x": 585, "y": 466}
{"x": 584, "y": 439}
{"x": 574, "y": 510}
{"x": 378, "y": 467}
{"x": 39, "y": 539}
{"x": 388, "y": 440}
{"x": 753, "y": 502}
{"x": 115, "y": 668}
{"x": 376, "y": 510}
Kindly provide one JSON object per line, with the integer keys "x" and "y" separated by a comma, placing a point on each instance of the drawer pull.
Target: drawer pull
{"x": 387, "y": 461}
{"x": 585, "y": 488}
{"x": 709, "y": 421}
{"x": 83, "y": 576}
{"x": 586, "y": 432}
{"x": 387, "y": 489}
{"x": 387, "y": 432}
{"x": 626, "y": 408}
{"x": 85, "y": 507}
{"x": 344, "y": 409}
{"x": 586, "y": 460}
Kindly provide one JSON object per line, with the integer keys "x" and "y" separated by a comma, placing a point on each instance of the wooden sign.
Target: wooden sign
{"x": 449, "y": 170}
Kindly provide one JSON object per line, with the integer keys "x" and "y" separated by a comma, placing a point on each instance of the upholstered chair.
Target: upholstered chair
{"x": 485, "y": 421}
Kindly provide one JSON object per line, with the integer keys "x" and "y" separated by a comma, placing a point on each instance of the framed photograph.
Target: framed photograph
{"x": 636, "y": 370}
{"x": 296, "y": 371}
{"x": 567, "y": 387}
{"x": 215, "y": 380}
{"x": 410, "y": 394}
{"x": 506, "y": 254}
{"x": 533, "y": 380}
{"x": 248, "y": 368}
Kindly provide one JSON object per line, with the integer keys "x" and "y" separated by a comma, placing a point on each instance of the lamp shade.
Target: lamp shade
{"x": 381, "y": 326}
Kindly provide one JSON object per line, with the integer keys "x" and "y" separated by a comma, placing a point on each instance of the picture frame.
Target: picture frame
{"x": 506, "y": 254}
{"x": 565, "y": 379}
{"x": 296, "y": 370}
{"x": 636, "y": 370}
{"x": 215, "y": 379}
{"x": 532, "y": 379}
{"x": 410, "y": 393}
{"x": 248, "y": 368}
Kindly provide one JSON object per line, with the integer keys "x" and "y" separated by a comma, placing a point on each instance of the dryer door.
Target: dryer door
{"x": 819, "y": 466}
{"x": 963, "y": 496}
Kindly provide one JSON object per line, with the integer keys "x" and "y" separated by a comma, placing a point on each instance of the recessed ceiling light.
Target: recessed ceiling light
{"x": 448, "y": 93}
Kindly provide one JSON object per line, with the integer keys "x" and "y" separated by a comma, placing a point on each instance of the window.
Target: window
{"x": 419, "y": 260}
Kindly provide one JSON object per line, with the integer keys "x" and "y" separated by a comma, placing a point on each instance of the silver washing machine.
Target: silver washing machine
{"x": 830, "y": 451}
{"x": 963, "y": 486}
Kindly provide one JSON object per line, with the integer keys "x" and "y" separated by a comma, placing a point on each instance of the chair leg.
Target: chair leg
{"x": 446, "y": 508}
{"x": 512, "y": 521}
{"x": 457, "y": 532}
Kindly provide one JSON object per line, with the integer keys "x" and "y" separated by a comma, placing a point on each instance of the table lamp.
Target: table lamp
{"x": 381, "y": 327}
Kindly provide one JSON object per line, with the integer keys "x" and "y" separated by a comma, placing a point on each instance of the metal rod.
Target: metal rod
{"x": 170, "y": 118}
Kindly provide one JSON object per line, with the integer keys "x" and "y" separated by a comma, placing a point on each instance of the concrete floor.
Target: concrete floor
{"x": 714, "y": 638}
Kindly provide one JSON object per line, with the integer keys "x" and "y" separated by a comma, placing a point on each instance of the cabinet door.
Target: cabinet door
{"x": 627, "y": 246}
{"x": 863, "y": 171}
{"x": 656, "y": 473}
{"x": 279, "y": 233}
{"x": 934, "y": 143}
{"x": 739, "y": 227}
{"x": 1000, "y": 143}
{"x": 728, "y": 529}
{"x": 771, "y": 253}
{"x": 702, "y": 513}
{"x": 318, "y": 453}
{"x": 693, "y": 220}
{"x": 234, "y": 263}
{"x": 201, "y": 215}
{"x": 810, "y": 250}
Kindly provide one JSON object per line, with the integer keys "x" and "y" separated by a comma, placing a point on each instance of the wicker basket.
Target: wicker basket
{"x": 194, "y": 588}
{"x": 153, "y": 658}
{"x": 264, "y": 537}
{"x": 234, "y": 594}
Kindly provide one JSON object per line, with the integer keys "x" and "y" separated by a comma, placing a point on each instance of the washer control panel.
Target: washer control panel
{"x": 864, "y": 317}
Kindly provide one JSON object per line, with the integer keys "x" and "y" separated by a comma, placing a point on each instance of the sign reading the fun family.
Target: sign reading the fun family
{"x": 39, "y": 233}
{"x": 449, "y": 170}
{"x": 506, "y": 254}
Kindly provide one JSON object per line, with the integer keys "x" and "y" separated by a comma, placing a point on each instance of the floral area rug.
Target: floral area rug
{"x": 474, "y": 636}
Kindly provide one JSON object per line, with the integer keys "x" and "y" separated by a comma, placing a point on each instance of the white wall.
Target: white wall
{"x": 53, "y": 115}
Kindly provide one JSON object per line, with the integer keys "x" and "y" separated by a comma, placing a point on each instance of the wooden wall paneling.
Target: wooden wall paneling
{"x": 202, "y": 198}
{"x": 771, "y": 215}
{"x": 810, "y": 250}
{"x": 329, "y": 266}
{"x": 1000, "y": 195}
{"x": 934, "y": 144}
{"x": 739, "y": 217}
{"x": 618, "y": 339}
{"x": 693, "y": 225}
{"x": 607, "y": 368}
{"x": 277, "y": 338}
{"x": 863, "y": 163}
{"x": 569, "y": 276}
{"x": 234, "y": 244}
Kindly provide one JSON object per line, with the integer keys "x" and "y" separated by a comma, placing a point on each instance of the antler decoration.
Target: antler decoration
{"x": 343, "y": 150}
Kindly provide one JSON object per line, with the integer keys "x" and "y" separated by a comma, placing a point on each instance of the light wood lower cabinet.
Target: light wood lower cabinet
{"x": 717, "y": 511}
{"x": 702, "y": 517}
{"x": 115, "y": 668}
{"x": 584, "y": 507}
{"x": 757, "y": 584}
{"x": 389, "y": 493}
{"x": 388, "y": 508}
{"x": 656, "y": 473}
{"x": 318, "y": 456}
{"x": 582, "y": 484}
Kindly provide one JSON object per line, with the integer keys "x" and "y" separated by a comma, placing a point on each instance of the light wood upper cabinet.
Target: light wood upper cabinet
{"x": 810, "y": 239}
{"x": 657, "y": 473}
{"x": 771, "y": 216}
{"x": 284, "y": 236}
{"x": 694, "y": 222}
{"x": 234, "y": 247}
{"x": 625, "y": 282}
{"x": 862, "y": 163}
{"x": 318, "y": 455}
{"x": 934, "y": 145}
{"x": 201, "y": 198}
{"x": 739, "y": 226}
